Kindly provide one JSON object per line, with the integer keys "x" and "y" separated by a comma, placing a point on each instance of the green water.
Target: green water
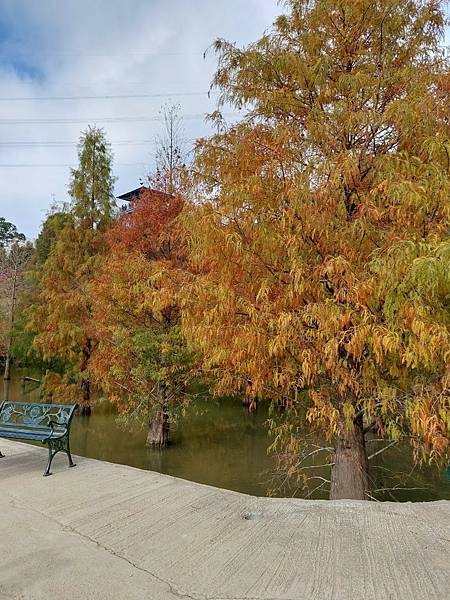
{"x": 219, "y": 443}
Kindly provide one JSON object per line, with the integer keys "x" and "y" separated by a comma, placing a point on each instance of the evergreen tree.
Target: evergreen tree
{"x": 9, "y": 233}
{"x": 50, "y": 230}
{"x": 141, "y": 361}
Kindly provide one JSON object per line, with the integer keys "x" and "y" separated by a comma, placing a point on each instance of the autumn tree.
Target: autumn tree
{"x": 322, "y": 236}
{"x": 23, "y": 337}
{"x": 62, "y": 317}
{"x": 141, "y": 361}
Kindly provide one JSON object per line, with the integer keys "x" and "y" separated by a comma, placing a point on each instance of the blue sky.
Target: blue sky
{"x": 101, "y": 48}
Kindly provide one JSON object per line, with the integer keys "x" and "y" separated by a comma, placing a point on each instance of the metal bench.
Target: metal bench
{"x": 45, "y": 423}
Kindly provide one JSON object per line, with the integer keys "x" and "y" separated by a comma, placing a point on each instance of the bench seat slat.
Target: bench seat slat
{"x": 26, "y": 434}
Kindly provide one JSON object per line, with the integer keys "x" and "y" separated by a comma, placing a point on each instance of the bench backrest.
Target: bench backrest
{"x": 33, "y": 416}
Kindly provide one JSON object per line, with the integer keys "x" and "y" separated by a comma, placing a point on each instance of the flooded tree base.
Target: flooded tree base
{"x": 158, "y": 432}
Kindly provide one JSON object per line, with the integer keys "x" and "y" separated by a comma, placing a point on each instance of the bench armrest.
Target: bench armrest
{"x": 53, "y": 423}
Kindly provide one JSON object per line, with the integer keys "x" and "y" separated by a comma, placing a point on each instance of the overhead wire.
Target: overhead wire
{"x": 45, "y": 165}
{"x": 106, "y": 96}
{"x": 64, "y": 121}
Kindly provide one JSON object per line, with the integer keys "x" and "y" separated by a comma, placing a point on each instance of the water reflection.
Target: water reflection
{"x": 220, "y": 444}
{"x": 6, "y": 384}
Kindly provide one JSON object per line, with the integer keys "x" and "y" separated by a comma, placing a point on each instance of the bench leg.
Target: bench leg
{"x": 69, "y": 456}
{"x": 58, "y": 445}
{"x": 51, "y": 454}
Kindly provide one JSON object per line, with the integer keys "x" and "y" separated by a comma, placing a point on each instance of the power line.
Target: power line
{"x": 63, "y": 121}
{"x": 105, "y": 96}
{"x": 43, "y": 165}
{"x": 70, "y": 144}
{"x": 121, "y": 54}
{"x": 74, "y": 144}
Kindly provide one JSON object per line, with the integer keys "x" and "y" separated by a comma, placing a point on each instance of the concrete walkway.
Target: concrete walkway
{"x": 105, "y": 531}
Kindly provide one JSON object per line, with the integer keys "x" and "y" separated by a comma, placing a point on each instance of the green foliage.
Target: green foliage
{"x": 92, "y": 183}
{"x": 9, "y": 233}
{"x": 50, "y": 231}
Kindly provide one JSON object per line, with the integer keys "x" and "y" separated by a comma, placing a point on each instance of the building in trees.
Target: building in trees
{"x": 129, "y": 199}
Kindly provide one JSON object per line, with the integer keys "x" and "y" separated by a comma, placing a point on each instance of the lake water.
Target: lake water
{"x": 219, "y": 443}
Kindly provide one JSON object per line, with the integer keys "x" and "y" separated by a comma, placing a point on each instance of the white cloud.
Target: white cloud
{"x": 76, "y": 47}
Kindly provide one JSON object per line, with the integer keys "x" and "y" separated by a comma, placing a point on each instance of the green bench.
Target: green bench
{"x": 45, "y": 423}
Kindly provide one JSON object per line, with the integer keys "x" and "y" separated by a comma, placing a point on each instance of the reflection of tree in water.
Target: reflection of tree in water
{"x": 6, "y": 389}
{"x": 397, "y": 478}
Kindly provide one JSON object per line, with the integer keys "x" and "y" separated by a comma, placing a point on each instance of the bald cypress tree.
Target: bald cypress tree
{"x": 62, "y": 318}
{"x": 321, "y": 241}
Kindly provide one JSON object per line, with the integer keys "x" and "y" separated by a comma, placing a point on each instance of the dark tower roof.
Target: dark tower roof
{"x": 129, "y": 196}
{"x": 134, "y": 194}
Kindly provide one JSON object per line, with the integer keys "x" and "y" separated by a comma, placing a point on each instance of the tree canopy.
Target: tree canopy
{"x": 321, "y": 236}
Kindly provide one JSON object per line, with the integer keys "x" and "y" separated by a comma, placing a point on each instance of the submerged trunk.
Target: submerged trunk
{"x": 159, "y": 425}
{"x": 250, "y": 403}
{"x": 350, "y": 471}
{"x": 85, "y": 408}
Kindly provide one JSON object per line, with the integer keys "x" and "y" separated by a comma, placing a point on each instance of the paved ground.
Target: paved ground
{"x": 104, "y": 531}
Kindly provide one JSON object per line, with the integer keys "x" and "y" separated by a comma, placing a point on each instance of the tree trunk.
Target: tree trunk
{"x": 86, "y": 405}
{"x": 6, "y": 390}
{"x": 350, "y": 472}
{"x": 159, "y": 426}
{"x": 85, "y": 383}
{"x": 250, "y": 403}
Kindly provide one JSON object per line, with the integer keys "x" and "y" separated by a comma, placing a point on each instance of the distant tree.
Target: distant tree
{"x": 322, "y": 236}
{"x": 62, "y": 318}
{"x": 171, "y": 173}
{"x": 9, "y": 233}
{"x": 14, "y": 261}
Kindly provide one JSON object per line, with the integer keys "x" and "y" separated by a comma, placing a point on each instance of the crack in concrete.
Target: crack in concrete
{"x": 172, "y": 589}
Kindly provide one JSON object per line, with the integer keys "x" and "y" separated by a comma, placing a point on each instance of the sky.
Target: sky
{"x": 55, "y": 55}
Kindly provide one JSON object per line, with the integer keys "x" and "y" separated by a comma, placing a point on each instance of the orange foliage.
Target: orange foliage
{"x": 320, "y": 236}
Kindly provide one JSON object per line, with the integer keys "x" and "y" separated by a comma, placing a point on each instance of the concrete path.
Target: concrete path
{"x": 105, "y": 531}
